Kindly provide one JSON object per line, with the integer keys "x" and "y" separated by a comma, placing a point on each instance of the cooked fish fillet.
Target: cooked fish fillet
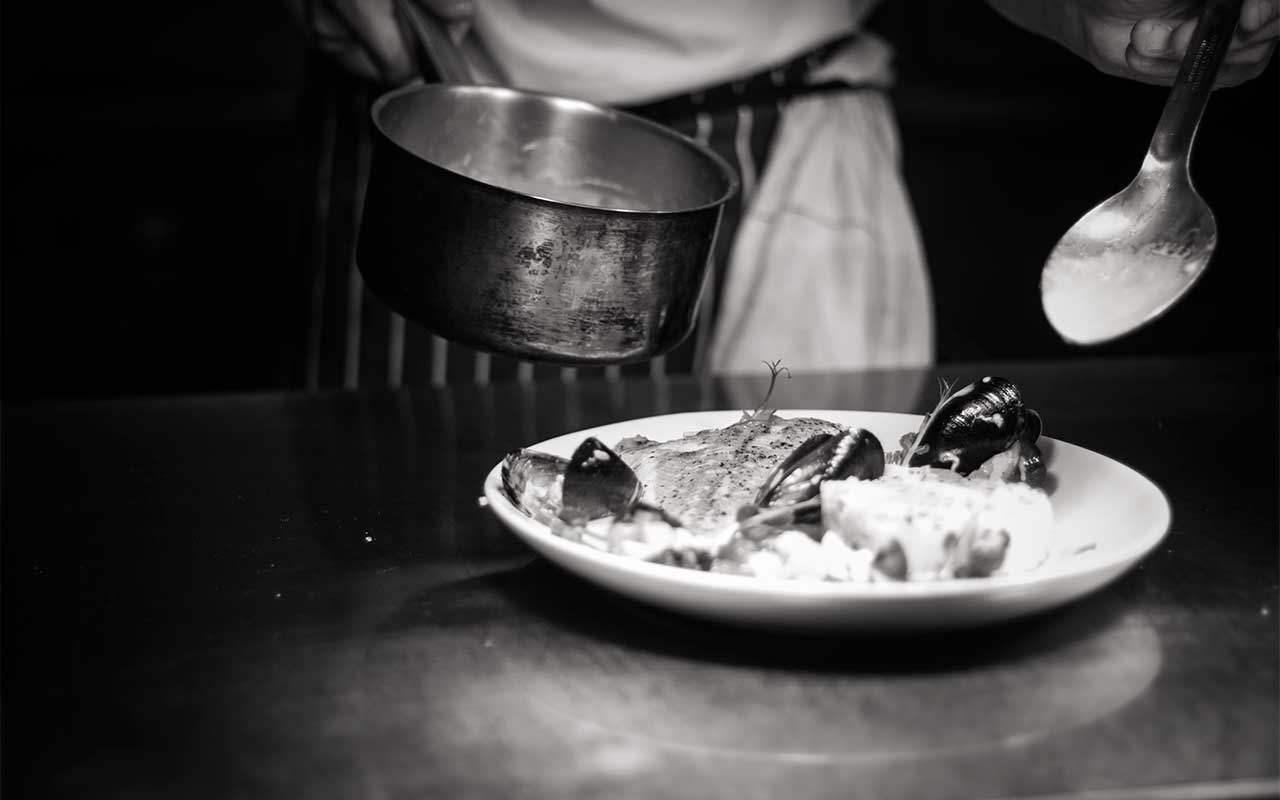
{"x": 703, "y": 478}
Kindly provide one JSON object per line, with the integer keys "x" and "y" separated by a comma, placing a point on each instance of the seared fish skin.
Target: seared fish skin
{"x": 703, "y": 478}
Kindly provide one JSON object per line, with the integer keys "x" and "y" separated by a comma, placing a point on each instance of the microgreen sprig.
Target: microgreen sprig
{"x": 760, "y": 411}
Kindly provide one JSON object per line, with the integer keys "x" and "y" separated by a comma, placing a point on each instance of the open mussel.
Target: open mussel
{"x": 534, "y": 482}
{"x": 983, "y": 426}
{"x": 851, "y": 453}
{"x": 594, "y": 482}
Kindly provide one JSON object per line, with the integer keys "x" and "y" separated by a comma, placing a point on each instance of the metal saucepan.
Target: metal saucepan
{"x": 535, "y": 226}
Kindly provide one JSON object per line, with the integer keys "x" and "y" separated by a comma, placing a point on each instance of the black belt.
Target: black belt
{"x": 769, "y": 86}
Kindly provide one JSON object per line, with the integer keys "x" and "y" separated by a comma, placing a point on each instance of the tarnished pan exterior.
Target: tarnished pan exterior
{"x": 450, "y": 241}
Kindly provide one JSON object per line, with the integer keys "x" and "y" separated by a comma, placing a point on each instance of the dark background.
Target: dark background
{"x": 158, "y": 166}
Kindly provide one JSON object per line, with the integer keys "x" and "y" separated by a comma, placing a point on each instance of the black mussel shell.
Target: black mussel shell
{"x": 1031, "y": 425}
{"x": 597, "y": 483}
{"x": 972, "y": 425}
{"x": 852, "y": 453}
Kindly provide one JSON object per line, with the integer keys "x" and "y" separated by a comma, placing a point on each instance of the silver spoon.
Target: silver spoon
{"x": 1131, "y": 258}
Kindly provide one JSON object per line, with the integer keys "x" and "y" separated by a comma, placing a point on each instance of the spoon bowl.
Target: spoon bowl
{"x": 1134, "y": 256}
{"x": 1130, "y": 259}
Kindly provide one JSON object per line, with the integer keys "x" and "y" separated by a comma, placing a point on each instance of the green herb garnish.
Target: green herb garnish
{"x": 760, "y": 412}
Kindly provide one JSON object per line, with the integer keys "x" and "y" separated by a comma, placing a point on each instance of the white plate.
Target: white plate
{"x": 1107, "y": 516}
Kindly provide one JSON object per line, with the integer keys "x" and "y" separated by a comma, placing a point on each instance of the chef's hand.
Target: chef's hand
{"x": 365, "y": 36}
{"x": 1144, "y": 40}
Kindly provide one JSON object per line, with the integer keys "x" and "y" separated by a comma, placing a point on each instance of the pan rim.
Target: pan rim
{"x": 726, "y": 171}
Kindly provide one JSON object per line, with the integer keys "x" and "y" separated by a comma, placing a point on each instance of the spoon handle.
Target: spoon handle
{"x": 1182, "y": 111}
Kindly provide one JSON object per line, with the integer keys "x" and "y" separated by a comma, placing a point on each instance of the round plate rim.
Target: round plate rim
{"x": 1085, "y": 568}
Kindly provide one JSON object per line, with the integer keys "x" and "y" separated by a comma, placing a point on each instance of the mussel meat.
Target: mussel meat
{"x": 534, "y": 482}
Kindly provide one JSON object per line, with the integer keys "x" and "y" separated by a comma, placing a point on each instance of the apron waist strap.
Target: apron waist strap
{"x": 770, "y": 86}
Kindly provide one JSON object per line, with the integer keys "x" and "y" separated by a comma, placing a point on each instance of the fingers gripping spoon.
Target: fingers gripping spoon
{"x": 1131, "y": 258}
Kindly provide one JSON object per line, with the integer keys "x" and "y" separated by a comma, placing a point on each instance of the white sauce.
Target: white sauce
{"x": 1103, "y": 223}
{"x": 1094, "y": 298}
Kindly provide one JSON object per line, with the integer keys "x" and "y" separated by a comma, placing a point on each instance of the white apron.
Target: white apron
{"x": 827, "y": 271}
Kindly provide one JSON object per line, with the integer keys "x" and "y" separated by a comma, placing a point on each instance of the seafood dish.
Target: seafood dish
{"x": 808, "y": 499}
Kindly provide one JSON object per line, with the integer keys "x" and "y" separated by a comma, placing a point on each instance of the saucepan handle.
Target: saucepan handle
{"x": 438, "y": 57}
